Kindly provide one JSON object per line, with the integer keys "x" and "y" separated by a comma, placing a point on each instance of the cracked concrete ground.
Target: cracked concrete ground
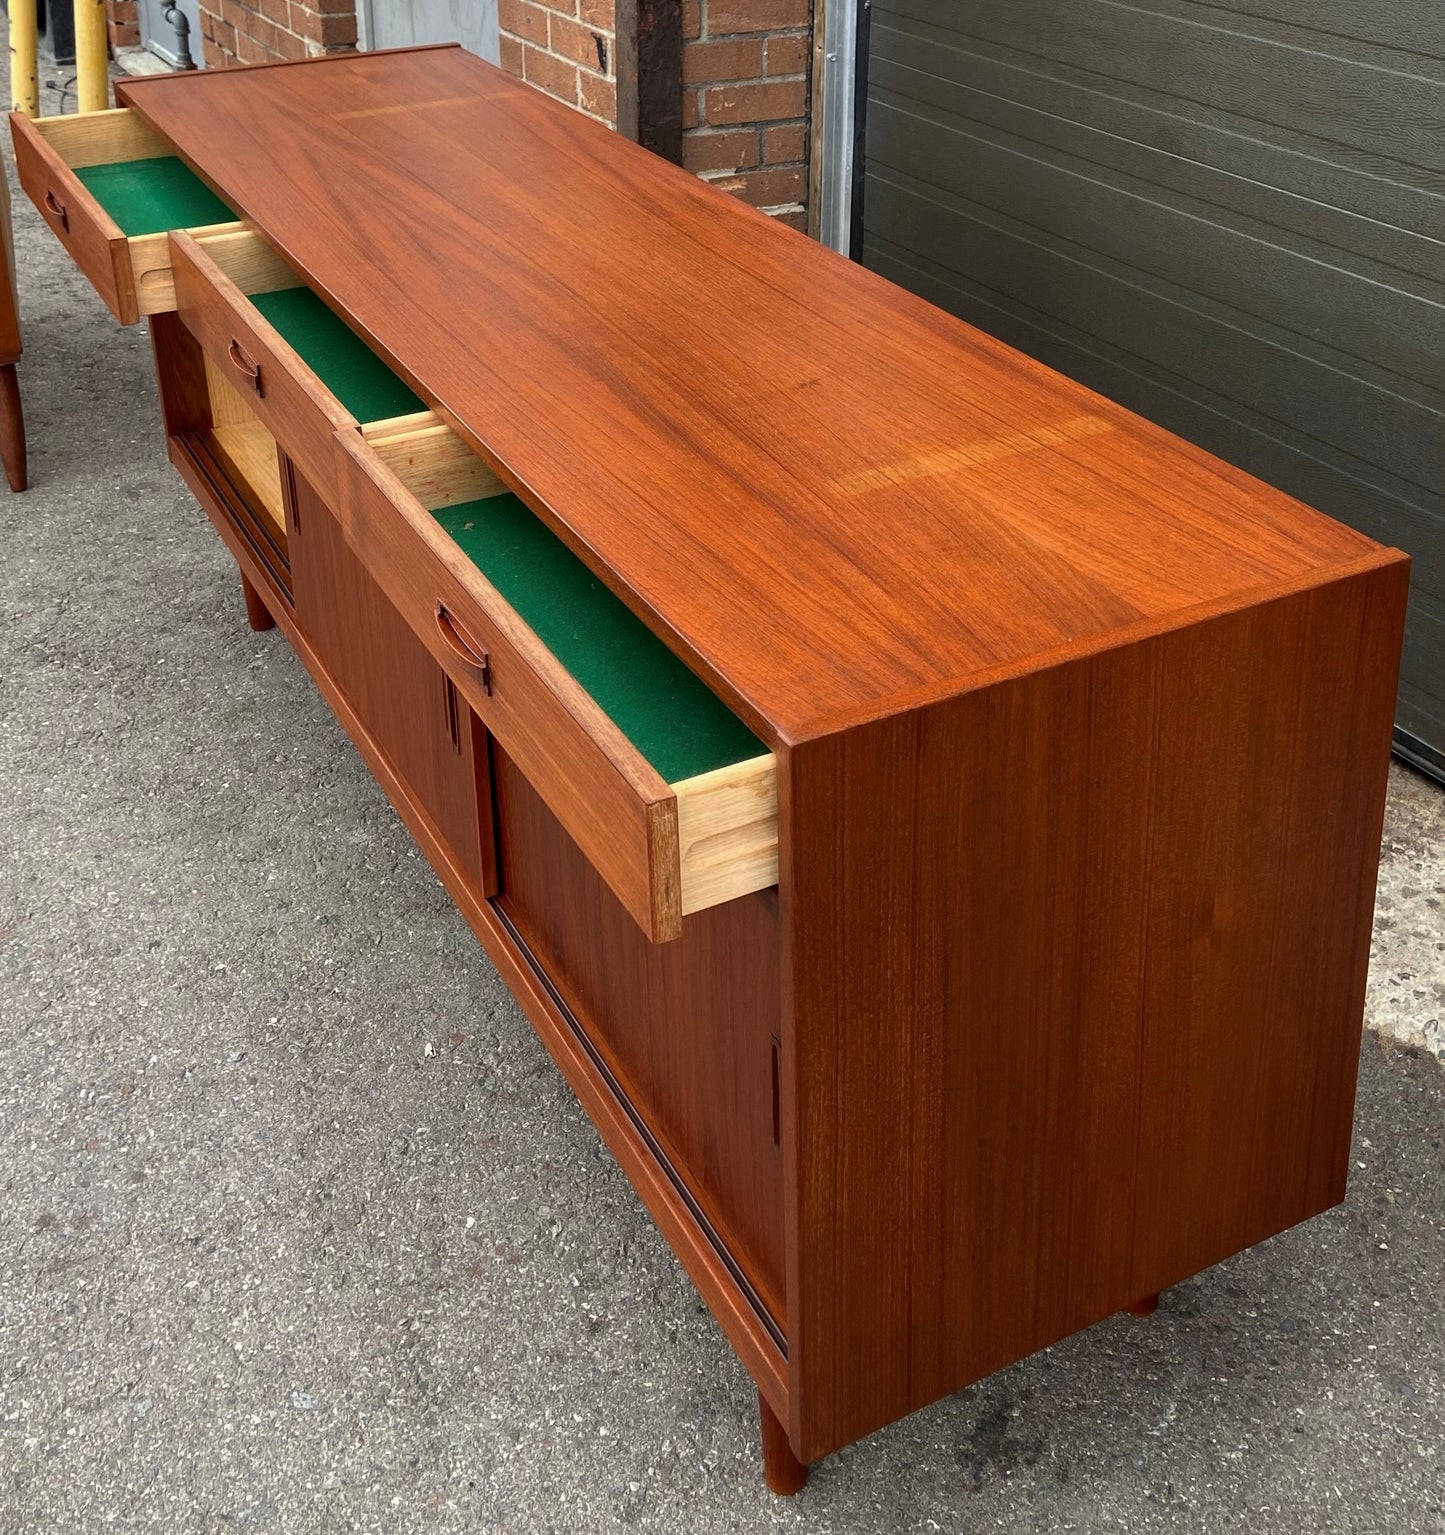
{"x": 302, "y": 1232}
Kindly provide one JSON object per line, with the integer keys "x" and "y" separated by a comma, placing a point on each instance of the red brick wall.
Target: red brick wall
{"x": 745, "y": 71}
{"x": 121, "y": 24}
{"x": 567, "y": 48}
{"x": 262, "y": 31}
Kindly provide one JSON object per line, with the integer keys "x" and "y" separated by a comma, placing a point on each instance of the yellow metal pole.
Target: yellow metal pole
{"x": 92, "y": 88}
{"x": 24, "y": 75}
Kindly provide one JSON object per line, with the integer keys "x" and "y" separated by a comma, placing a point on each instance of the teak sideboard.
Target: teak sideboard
{"x": 930, "y": 814}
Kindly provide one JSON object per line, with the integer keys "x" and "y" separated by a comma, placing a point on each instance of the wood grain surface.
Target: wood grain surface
{"x": 827, "y": 495}
{"x": 675, "y": 1217}
{"x": 12, "y": 418}
{"x": 1075, "y": 1005}
{"x": 1080, "y": 736}
{"x": 9, "y": 291}
{"x": 284, "y": 394}
{"x": 91, "y": 237}
{"x": 687, "y": 1028}
{"x": 408, "y": 705}
{"x": 611, "y": 801}
{"x": 196, "y": 398}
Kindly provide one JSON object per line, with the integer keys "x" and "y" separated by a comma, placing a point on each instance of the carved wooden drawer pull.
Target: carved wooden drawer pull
{"x": 464, "y": 646}
{"x": 247, "y": 367}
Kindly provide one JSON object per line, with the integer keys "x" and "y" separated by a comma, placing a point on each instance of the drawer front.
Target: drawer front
{"x": 132, "y": 274}
{"x": 293, "y": 404}
{"x": 616, "y": 808}
{"x": 92, "y": 238}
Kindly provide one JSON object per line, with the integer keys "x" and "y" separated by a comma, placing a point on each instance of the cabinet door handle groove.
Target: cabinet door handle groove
{"x": 464, "y": 646}
{"x": 246, "y": 366}
{"x": 57, "y": 211}
{"x": 453, "y": 712}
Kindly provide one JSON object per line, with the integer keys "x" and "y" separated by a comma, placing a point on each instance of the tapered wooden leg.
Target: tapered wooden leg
{"x": 257, "y": 613}
{"x": 782, "y": 1470}
{"x": 1146, "y": 1305}
{"x": 12, "y": 428}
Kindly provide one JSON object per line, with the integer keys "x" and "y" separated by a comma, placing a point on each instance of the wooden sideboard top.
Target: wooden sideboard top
{"x": 836, "y": 500}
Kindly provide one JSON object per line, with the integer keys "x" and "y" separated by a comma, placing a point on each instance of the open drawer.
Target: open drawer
{"x": 300, "y": 369}
{"x": 111, "y": 189}
{"x": 664, "y": 789}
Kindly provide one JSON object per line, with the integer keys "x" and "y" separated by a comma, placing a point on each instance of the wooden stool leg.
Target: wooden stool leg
{"x": 1146, "y": 1306}
{"x": 258, "y": 615}
{"x": 12, "y": 428}
{"x": 782, "y": 1470}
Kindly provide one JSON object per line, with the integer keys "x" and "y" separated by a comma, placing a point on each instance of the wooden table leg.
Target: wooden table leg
{"x": 1146, "y": 1305}
{"x": 258, "y": 615}
{"x": 782, "y": 1470}
{"x": 12, "y": 428}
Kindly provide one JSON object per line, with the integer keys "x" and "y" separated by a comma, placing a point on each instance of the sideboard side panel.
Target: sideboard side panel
{"x": 1076, "y": 980}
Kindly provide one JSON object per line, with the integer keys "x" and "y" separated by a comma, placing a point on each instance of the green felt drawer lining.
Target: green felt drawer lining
{"x": 672, "y": 718}
{"x": 147, "y": 197}
{"x": 337, "y": 355}
{"x": 669, "y": 715}
{"x": 678, "y": 725}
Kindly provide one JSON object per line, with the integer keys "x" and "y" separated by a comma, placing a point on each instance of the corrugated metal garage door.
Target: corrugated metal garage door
{"x": 1230, "y": 217}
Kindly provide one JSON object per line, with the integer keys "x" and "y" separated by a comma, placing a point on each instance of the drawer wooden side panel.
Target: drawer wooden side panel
{"x": 615, "y": 807}
{"x": 91, "y": 237}
{"x": 299, "y": 411}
